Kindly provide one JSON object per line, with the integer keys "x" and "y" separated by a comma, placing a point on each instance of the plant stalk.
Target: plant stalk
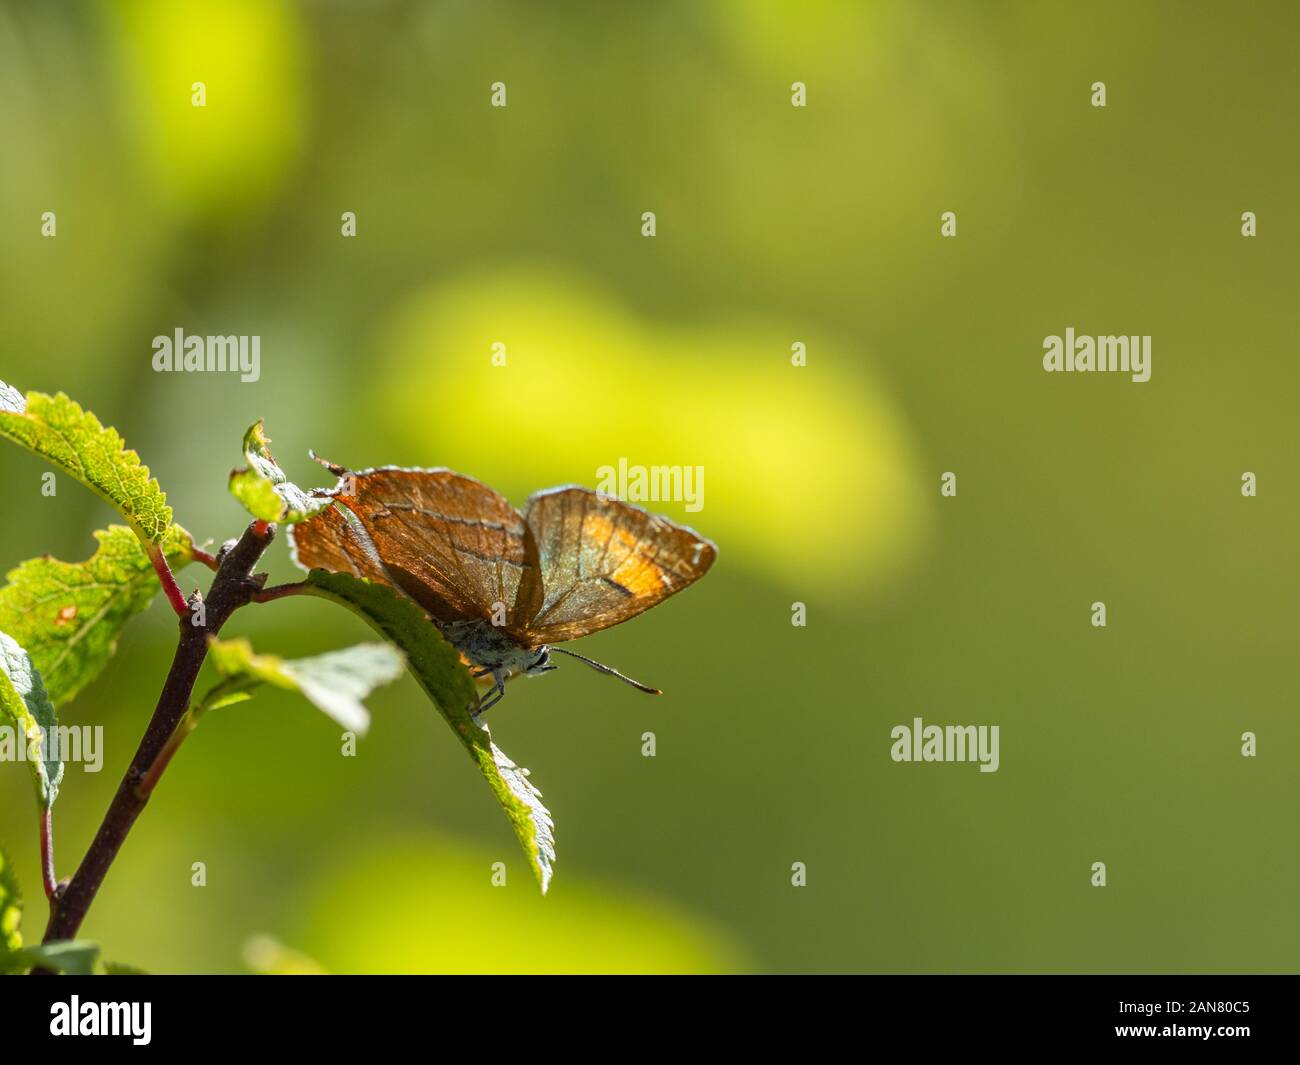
{"x": 48, "y": 879}
{"x": 232, "y": 587}
{"x": 168, "y": 579}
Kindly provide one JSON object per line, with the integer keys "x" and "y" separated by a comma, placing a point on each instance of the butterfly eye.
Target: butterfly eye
{"x": 540, "y": 664}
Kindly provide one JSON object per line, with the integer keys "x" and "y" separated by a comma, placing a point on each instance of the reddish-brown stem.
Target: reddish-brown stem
{"x": 279, "y": 591}
{"x": 232, "y": 588}
{"x": 50, "y": 881}
{"x": 203, "y": 558}
{"x": 168, "y": 579}
{"x": 150, "y": 779}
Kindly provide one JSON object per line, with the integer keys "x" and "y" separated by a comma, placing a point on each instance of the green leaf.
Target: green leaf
{"x": 264, "y": 489}
{"x": 73, "y": 439}
{"x": 445, "y": 680}
{"x": 11, "y": 916}
{"x": 68, "y": 615}
{"x": 73, "y": 957}
{"x": 223, "y": 696}
{"x": 76, "y": 957}
{"x": 23, "y": 700}
{"x": 267, "y": 956}
{"x": 116, "y": 968}
{"x": 335, "y": 682}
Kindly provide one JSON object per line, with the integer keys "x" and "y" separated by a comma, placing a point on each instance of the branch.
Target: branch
{"x": 233, "y": 587}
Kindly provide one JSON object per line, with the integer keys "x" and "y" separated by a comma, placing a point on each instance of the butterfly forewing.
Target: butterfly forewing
{"x": 603, "y": 561}
{"x": 450, "y": 542}
{"x": 329, "y": 542}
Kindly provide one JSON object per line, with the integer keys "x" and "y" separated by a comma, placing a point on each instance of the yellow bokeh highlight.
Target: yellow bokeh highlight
{"x": 809, "y": 474}
{"x": 248, "y": 54}
{"x": 425, "y": 906}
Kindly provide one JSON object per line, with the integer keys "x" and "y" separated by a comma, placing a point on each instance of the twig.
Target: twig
{"x": 168, "y": 579}
{"x": 149, "y": 780}
{"x": 204, "y": 558}
{"x": 226, "y": 690}
{"x": 279, "y": 591}
{"x": 232, "y": 588}
{"x": 48, "y": 878}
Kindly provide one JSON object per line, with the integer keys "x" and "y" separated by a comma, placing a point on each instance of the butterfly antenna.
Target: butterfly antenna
{"x": 333, "y": 467}
{"x": 600, "y": 667}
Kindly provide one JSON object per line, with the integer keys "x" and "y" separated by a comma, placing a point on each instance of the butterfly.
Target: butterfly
{"x": 502, "y": 586}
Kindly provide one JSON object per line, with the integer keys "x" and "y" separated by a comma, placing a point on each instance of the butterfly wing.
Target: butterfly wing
{"x": 604, "y": 561}
{"x": 450, "y": 542}
{"x": 330, "y": 542}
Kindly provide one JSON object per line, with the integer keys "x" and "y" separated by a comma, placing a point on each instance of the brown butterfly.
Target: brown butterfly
{"x": 502, "y": 586}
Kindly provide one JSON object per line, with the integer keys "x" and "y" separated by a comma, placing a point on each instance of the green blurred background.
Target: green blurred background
{"x": 775, "y": 224}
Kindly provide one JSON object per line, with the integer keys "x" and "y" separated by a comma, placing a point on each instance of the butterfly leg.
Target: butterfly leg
{"x": 484, "y": 705}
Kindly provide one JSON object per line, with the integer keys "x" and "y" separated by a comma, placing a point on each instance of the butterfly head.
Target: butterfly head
{"x": 541, "y": 662}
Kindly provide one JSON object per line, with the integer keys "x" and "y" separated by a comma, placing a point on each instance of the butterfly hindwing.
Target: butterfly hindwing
{"x": 604, "y": 561}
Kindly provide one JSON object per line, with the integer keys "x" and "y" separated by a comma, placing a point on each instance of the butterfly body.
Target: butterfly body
{"x": 489, "y": 647}
{"x": 494, "y": 653}
{"x": 502, "y": 586}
